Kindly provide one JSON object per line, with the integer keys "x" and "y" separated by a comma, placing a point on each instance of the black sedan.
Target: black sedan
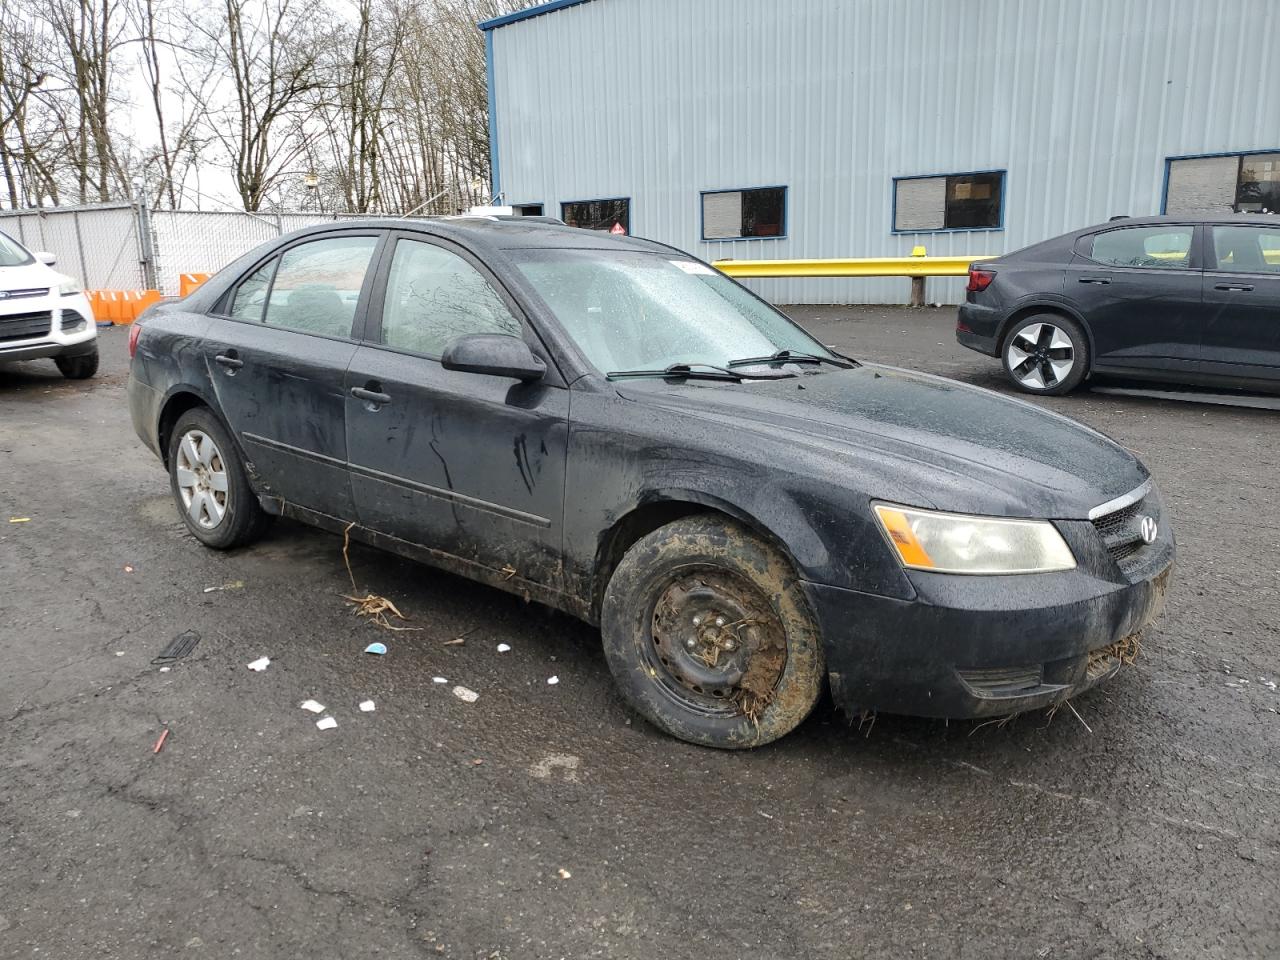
{"x": 611, "y": 427}
{"x": 1192, "y": 300}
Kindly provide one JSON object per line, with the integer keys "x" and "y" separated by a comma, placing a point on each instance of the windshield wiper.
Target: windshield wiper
{"x": 702, "y": 371}
{"x": 791, "y": 356}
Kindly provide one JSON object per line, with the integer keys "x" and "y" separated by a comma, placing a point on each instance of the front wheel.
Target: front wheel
{"x": 210, "y": 485}
{"x": 1046, "y": 353}
{"x": 709, "y": 636}
{"x": 78, "y": 368}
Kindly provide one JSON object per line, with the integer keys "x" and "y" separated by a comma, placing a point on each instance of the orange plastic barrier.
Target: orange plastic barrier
{"x": 120, "y": 306}
{"x": 189, "y": 281}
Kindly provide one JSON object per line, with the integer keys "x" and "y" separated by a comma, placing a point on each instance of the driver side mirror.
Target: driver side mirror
{"x": 496, "y": 354}
{"x": 45, "y": 257}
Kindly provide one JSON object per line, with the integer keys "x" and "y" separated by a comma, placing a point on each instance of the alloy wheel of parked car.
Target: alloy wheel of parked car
{"x": 1046, "y": 354}
{"x": 708, "y": 635}
{"x": 209, "y": 483}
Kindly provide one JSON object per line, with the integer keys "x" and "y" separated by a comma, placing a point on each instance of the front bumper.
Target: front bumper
{"x": 39, "y": 322}
{"x": 987, "y": 646}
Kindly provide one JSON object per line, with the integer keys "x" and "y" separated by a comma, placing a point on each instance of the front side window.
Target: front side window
{"x": 733, "y": 214}
{"x": 1237, "y": 183}
{"x": 642, "y": 311}
{"x": 435, "y": 296}
{"x": 611, "y": 215}
{"x": 962, "y": 201}
{"x": 1247, "y": 249}
{"x": 317, "y": 285}
{"x": 1161, "y": 247}
{"x": 11, "y": 253}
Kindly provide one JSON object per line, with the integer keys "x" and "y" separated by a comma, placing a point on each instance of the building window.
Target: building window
{"x": 961, "y": 201}
{"x": 527, "y": 210}
{"x": 1238, "y": 183}
{"x": 612, "y": 215}
{"x": 735, "y": 214}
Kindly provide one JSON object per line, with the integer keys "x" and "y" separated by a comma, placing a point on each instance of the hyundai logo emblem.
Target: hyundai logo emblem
{"x": 4, "y": 294}
{"x": 1149, "y": 530}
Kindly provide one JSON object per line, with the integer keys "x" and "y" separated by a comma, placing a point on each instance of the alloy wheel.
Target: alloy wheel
{"x": 1040, "y": 356}
{"x": 202, "y": 479}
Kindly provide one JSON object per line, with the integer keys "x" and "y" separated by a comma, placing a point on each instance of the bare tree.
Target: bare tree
{"x": 271, "y": 51}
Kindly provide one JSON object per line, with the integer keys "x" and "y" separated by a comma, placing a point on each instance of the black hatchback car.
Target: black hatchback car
{"x": 1192, "y": 300}
{"x": 611, "y": 427}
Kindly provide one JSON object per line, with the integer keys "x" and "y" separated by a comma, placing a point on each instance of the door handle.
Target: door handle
{"x": 370, "y": 396}
{"x": 229, "y": 360}
{"x": 1097, "y": 280}
{"x": 1241, "y": 287}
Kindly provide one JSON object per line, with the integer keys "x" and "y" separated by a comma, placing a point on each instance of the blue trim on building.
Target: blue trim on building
{"x": 543, "y": 8}
{"x": 893, "y": 203}
{"x": 702, "y": 213}
{"x": 495, "y": 171}
{"x": 1168, "y": 162}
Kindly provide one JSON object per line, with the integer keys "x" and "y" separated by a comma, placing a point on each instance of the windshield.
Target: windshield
{"x": 631, "y": 311}
{"x": 11, "y": 254}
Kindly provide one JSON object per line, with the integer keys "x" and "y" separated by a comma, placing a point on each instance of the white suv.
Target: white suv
{"x": 44, "y": 314}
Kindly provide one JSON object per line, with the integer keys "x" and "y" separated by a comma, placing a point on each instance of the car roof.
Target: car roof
{"x": 501, "y": 233}
{"x": 1259, "y": 219}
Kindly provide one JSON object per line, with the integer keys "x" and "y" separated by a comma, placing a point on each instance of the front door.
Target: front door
{"x": 469, "y": 464}
{"x": 1242, "y": 302}
{"x": 277, "y": 351}
{"x": 1139, "y": 290}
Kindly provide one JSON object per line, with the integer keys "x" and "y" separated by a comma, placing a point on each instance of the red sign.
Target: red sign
{"x": 618, "y": 229}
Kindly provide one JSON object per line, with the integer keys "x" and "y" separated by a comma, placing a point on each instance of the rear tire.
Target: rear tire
{"x": 78, "y": 368}
{"x": 1046, "y": 353}
{"x": 709, "y": 636}
{"x": 209, "y": 483}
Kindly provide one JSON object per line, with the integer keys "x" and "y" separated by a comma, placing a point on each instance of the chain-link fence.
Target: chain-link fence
{"x": 104, "y": 246}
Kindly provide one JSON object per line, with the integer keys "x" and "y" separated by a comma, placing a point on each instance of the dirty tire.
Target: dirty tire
{"x": 739, "y": 685}
{"x": 242, "y": 519}
{"x": 1066, "y": 360}
{"x": 78, "y": 368}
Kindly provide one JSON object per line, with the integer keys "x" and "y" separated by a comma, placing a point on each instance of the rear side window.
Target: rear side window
{"x": 434, "y": 296}
{"x": 251, "y": 296}
{"x": 1247, "y": 249}
{"x": 1161, "y": 247}
{"x": 317, "y": 285}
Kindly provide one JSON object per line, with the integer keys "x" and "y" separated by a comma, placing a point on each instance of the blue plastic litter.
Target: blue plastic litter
{"x": 376, "y": 647}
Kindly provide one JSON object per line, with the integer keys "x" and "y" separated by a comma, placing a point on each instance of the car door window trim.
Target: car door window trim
{"x": 1195, "y": 262}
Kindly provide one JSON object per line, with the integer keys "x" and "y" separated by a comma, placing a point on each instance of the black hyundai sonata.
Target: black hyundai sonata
{"x": 613, "y": 428}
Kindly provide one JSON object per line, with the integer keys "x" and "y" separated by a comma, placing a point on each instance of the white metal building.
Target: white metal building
{"x": 854, "y": 128}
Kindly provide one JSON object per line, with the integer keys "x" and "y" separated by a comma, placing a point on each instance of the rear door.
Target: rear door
{"x": 1138, "y": 288}
{"x": 1242, "y": 301}
{"x": 469, "y": 464}
{"x": 277, "y": 352}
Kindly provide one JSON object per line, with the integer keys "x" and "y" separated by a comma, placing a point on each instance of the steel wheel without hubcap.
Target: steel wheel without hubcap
{"x": 715, "y": 645}
{"x": 202, "y": 479}
{"x": 1040, "y": 356}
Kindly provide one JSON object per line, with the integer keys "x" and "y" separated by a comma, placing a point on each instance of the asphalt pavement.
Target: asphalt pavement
{"x": 545, "y": 820}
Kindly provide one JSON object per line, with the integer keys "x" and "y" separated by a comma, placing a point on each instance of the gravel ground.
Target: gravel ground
{"x": 546, "y": 821}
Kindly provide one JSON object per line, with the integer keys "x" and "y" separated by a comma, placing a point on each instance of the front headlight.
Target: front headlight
{"x": 953, "y": 543}
{"x": 68, "y": 286}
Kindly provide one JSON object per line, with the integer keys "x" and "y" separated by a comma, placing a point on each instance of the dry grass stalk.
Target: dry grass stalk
{"x": 372, "y": 606}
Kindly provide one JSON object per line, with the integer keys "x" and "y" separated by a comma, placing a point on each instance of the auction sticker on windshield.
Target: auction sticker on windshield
{"x": 693, "y": 267}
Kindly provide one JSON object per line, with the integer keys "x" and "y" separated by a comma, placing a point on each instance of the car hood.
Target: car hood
{"x": 938, "y": 442}
{"x": 29, "y": 276}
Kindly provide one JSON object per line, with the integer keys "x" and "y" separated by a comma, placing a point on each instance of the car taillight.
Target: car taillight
{"x": 134, "y": 330}
{"x": 979, "y": 279}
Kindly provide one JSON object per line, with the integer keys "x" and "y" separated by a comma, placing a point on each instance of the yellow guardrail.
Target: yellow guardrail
{"x": 917, "y": 265}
